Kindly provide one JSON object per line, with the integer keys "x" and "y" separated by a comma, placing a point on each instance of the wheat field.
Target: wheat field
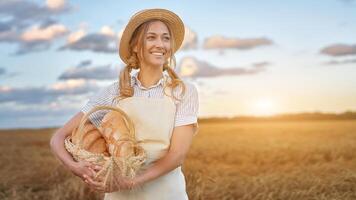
{"x": 311, "y": 160}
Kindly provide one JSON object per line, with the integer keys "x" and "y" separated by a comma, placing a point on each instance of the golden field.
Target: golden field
{"x": 310, "y": 160}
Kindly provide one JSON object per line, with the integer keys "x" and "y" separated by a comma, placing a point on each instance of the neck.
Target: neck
{"x": 149, "y": 76}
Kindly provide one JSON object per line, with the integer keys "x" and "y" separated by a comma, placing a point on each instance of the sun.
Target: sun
{"x": 264, "y": 107}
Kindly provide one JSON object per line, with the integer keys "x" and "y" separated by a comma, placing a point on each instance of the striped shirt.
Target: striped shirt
{"x": 186, "y": 108}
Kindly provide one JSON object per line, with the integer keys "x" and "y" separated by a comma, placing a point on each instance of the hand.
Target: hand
{"x": 88, "y": 178}
{"x": 97, "y": 185}
{"x": 123, "y": 184}
{"x": 84, "y": 169}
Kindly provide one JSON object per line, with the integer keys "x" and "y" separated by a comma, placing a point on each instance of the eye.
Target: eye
{"x": 167, "y": 38}
{"x": 150, "y": 37}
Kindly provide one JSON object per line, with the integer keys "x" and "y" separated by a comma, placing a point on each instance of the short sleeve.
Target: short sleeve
{"x": 104, "y": 97}
{"x": 187, "y": 108}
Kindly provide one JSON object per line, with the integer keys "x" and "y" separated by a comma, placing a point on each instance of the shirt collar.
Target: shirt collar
{"x": 136, "y": 81}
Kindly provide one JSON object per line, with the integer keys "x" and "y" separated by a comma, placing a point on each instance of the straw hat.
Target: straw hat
{"x": 171, "y": 19}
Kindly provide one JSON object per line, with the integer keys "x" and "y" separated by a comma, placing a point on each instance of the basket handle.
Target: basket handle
{"x": 127, "y": 120}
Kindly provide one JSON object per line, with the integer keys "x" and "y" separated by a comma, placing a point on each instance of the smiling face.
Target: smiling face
{"x": 156, "y": 47}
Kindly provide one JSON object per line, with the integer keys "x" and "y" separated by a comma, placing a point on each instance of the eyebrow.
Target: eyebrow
{"x": 156, "y": 33}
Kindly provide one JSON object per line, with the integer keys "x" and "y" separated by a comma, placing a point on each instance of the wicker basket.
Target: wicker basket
{"x": 115, "y": 166}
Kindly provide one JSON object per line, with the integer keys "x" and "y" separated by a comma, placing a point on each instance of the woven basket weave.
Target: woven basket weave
{"x": 115, "y": 166}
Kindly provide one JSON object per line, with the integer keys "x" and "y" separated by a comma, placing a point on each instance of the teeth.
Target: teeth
{"x": 157, "y": 54}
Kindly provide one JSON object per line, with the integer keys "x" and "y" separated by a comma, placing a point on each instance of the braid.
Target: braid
{"x": 125, "y": 82}
{"x": 175, "y": 81}
{"x": 133, "y": 61}
{"x": 126, "y": 90}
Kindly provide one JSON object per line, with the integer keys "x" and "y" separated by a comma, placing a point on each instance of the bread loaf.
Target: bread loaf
{"x": 93, "y": 141}
{"x": 116, "y": 133}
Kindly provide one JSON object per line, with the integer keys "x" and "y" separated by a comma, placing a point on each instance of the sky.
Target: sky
{"x": 256, "y": 58}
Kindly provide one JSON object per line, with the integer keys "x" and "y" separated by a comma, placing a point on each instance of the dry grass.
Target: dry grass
{"x": 254, "y": 161}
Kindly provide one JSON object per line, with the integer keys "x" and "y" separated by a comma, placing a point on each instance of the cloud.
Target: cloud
{"x": 341, "y": 62}
{"x": 75, "y": 36}
{"x": 19, "y": 15}
{"x": 50, "y": 32}
{"x": 2, "y": 71}
{"x": 52, "y": 114}
{"x": 191, "y": 67}
{"x": 28, "y": 11}
{"x": 260, "y": 64}
{"x": 339, "y": 50}
{"x": 107, "y": 30}
{"x": 119, "y": 34}
{"x": 190, "y": 39}
{"x": 84, "y": 63}
{"x": 35, "y": 116}
{"x": 8, "y": 33}
{"x": 36, "y": 95}
{"x": 83, "y": 71}
{"x": 221, "y": 42}
{"x": 33, "y": 46}
{"x": 30, "y": 112}
{"x": 39, "y": 38}
{"x": 96, "y": 42}
{"x": 55, "y": 4}
{"x": 43, "y": 106}
{"x": 105, "y": 41}
{"x": 5, "y": 74}
{"x": 47, "y": 22}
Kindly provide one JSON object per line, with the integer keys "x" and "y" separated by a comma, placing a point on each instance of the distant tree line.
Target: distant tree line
{"x": 349, "y": 115}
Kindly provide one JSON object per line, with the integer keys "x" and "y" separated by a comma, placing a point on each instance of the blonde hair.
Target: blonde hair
{"x": 126, "y": 90}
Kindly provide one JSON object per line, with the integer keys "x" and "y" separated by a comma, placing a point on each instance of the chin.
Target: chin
{"x": 157, "y": 64}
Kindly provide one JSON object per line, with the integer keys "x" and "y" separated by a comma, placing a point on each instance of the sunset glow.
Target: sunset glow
{"x": 263, "y": 107}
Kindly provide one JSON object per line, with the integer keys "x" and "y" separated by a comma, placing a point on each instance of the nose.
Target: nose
{"x": 159, "y": 43}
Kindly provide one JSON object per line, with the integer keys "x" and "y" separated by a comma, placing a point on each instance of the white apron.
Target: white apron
{"x": 154, "y": 120}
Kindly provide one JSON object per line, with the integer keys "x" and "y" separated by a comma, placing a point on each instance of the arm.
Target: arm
{"x": 57, "y": 146}
{"x": 57, "y": 140}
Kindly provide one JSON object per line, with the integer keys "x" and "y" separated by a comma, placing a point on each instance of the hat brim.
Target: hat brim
{"x": 171, "y": 19}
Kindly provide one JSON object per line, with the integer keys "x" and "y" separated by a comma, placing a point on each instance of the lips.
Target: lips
{"x": 158, "y": 53}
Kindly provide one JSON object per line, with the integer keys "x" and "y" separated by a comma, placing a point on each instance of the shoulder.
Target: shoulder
{"x": 104, "y": 96}
{"x": 106, "y": 91}
{"x": 190, "y": 88}
{"x": 114, "y": 87}
{"x": 188, "y": 93}
{"x": 111, "y": 89}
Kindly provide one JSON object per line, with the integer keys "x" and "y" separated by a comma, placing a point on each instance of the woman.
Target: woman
{"x": 162, "y": 106}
